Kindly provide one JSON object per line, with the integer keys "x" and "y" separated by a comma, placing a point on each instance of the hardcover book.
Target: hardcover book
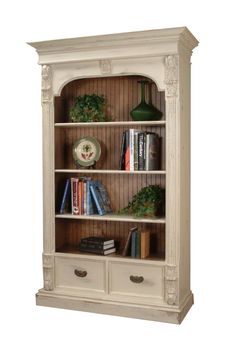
{"x": 152, "y": 151}
{"x": 66, "y": 197}
{"x": 122, "y": 153}
{"x": 91, "y": 207}
{"x": 133, "y": 243}
{"x": 94, "y": 188}
{"x": 138, "y": 245}
{"x": 96, "y": 250}
{"x": 127, "y": 151}
{"x": 98, "y": 240}
{"x": 105, "y": 197}
{"x": 145, "y": 244}
{"x": 127, "y": 247}
{"x": 74, "y": 196}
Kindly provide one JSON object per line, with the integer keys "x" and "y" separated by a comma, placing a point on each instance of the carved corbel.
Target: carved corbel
{"x": 47, "y": 94}
{"x": 48, "y": 271}
{"x": 105, "y": 66}
{"x": 171, "y": 75}
{"x": 171, "y": 285}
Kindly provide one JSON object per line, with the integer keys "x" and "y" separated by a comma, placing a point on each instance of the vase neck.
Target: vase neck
{"x": 143, "y": 83}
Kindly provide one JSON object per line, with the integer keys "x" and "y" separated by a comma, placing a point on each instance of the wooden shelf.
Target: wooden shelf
{"x": 102, "y": 171}
{"x": 110, "y": 124}
{"x": 113, "y": 217}
{"x": 73, "y": 249}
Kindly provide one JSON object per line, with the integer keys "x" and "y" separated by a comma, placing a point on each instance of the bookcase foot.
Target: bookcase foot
{"x": 153, "y": 313}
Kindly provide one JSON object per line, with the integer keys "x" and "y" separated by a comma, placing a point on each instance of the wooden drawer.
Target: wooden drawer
{"x": 80, "y": 274}
{"x": 136, "y": 279}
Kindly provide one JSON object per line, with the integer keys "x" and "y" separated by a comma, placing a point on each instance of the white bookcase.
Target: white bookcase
{"x": 111, "y": 65}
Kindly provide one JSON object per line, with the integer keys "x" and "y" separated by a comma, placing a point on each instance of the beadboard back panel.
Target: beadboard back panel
{"x": 70, "y": 232}
{"x": 122, "y": 94}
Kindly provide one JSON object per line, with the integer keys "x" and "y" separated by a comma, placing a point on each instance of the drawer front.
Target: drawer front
{"x": 141, "y": 280}
{"x": 80, "y": 274}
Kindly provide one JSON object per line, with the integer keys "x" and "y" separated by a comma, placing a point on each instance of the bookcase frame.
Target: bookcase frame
{"x": 164, "y": 57}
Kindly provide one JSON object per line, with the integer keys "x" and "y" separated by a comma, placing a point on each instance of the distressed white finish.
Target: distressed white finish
{"x": 164, "y": 56}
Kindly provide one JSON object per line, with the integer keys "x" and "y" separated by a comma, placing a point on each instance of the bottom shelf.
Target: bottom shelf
{"x": 73, "y": 249}
{"x": 69, "y": 233}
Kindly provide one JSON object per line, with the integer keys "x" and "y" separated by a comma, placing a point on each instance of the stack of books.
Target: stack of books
{"x": 140, "y": 150}
{"x": 97, "y": 245}
{"x": 137, "y": 244}
{"x": 84, "y": 196}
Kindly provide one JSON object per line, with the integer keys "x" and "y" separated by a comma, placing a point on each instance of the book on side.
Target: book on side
{"x": 96, "y": 250}
{"x": 98, "y": 241}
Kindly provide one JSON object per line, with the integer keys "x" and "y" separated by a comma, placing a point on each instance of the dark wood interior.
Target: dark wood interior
{"x": 69, "y": 233}
{"x": 122, "y": 94}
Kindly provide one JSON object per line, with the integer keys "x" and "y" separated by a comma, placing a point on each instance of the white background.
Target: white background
{"x": 209, "y": 326}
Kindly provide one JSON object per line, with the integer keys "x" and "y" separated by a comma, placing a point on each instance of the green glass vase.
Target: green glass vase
{"x": 144, "y": 111}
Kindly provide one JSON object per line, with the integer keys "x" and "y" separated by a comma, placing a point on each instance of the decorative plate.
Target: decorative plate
{"x": 86, "y": 151}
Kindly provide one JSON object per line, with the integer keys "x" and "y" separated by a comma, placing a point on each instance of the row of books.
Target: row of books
{"x": 137, "y": 244}
{"x": 140, "y": 150}
{"x": 84, "y": 196}
{"x": 97, "y": 245}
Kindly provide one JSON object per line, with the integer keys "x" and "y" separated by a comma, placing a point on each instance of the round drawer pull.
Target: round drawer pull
{"x": 136, "y": 279}
{"x": 80, "y": 273}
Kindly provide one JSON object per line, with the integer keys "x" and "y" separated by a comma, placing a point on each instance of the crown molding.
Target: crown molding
{"x": 122, "y": 45}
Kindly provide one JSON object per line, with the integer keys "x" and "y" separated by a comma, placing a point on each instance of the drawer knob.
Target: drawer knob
{"x": 136, "y": 279}
{"x": 80, "y": 273}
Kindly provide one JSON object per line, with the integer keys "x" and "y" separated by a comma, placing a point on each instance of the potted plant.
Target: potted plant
{"x": 148, "y": 202}
{"x": 88, "y": 108}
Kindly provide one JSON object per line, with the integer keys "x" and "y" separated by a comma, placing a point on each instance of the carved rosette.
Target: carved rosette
{"x": 171, "y": 75}
{"x": 105, "y": 66}
{"x": 171, "y": 285}
{"x": 48, "y": 263}
{"x": 47, "y": 93}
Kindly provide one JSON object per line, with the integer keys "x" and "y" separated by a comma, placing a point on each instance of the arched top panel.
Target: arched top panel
{"x": 141, "y": 75}
{"x": 122, "y": 94}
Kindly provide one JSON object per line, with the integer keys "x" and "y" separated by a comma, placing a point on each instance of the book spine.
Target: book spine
{"x": 97, "y": 198}
{"x": 147, "y": 152}
{"x": 144, "y": 149}
{"x": 140, "y": 151}
{"x": 127, "y": 151}
{"x": 136, "y": 134}
{"x": 152, "y": 151}
{"x": 126, "y": 250}
{"x": 81, "y": 197}
{"x": 85, "y": 196}
{"x": 122, "y": 153}
{"x": 105, "y": 197}
{"x": 138, "y": 245}
{"x": 96, "y": 246}
{"x": 96, "y": 251}
{"x": 131, "y": 138}
{"x": 74, "y": 196}
{"x": 66, "y": 196}
{"x": 88, "y": 197}
{"x": 133, "y": 244}
{"x": 145, "y": 244}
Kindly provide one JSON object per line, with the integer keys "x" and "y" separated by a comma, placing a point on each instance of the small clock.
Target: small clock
{"x": 86, "y": 151}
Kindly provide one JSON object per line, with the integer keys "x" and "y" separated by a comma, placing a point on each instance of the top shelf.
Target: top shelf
{"x": 110, "y": 124}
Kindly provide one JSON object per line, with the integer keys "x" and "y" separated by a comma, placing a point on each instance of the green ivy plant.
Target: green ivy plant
{"x": 88, "y": 108}
{"x": 148, "y": 202}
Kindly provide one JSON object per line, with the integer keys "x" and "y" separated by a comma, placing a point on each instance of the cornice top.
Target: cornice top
{"x": 135, "y": 40}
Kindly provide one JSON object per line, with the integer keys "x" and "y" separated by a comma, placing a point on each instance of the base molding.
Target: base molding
{"x": 154, "y": 313}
